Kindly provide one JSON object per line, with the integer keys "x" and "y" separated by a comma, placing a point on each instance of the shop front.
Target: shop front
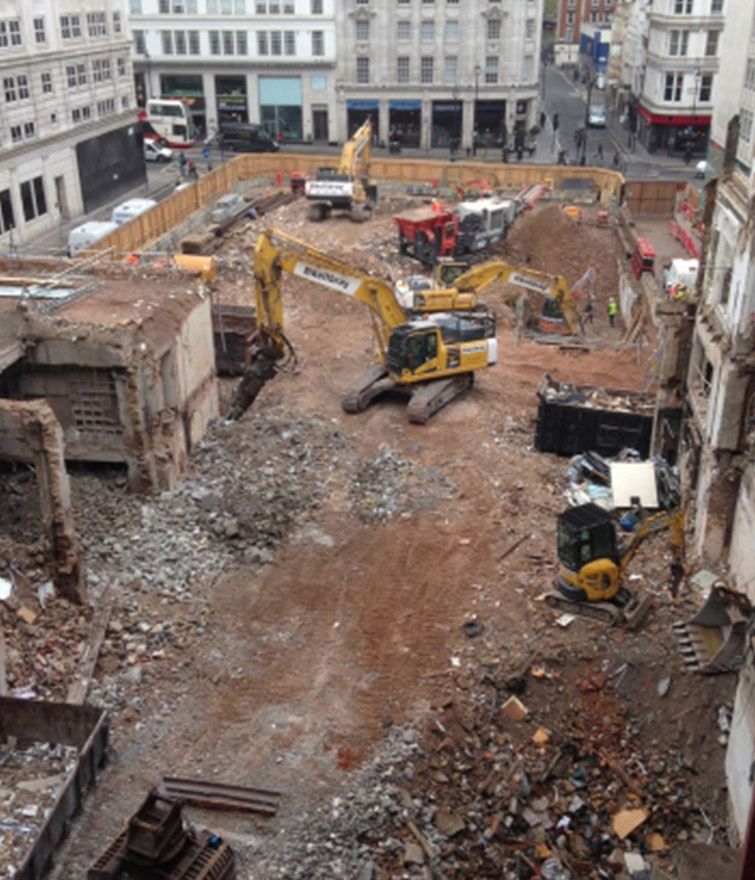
{"x": 675, "y": 135}
{"x": 447, "y": 121}
{"x": 230, "y": 93}
{"x": 191, "y": 91}
{"x": 281, "y": 107}
{"x": 490, "y": 123}
{"x": 405, "y": 122}
{"x": 358, "y": 112}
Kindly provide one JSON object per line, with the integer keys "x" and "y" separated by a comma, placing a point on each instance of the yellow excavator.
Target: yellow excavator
{"x": 560, "y": 313}
{"x": 431, "y": 355}
{"x": 347, "y": 187}
{"x": 592, "y": 563}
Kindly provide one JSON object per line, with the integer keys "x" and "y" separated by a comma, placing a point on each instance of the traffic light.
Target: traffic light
{"x": 555, "y": 122}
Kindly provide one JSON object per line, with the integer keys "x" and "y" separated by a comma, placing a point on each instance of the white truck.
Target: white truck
{"x": 83, "y": 237}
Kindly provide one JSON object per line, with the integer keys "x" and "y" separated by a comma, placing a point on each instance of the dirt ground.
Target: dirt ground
{"x": 304, "y": 664}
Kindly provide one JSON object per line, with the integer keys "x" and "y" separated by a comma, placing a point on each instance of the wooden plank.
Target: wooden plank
{"x": 77, "y": 692}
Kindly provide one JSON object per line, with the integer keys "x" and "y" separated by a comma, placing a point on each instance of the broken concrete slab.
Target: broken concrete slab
{"x": 626, "y": 821}
{"x": 514, "y": 709}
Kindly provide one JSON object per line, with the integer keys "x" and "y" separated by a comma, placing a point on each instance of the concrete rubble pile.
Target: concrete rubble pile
{"x": 31, "y": 778}
{"x": 490, "y": 789}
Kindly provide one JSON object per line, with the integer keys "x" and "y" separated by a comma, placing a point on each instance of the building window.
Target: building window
{"x": 427, "y": 31}
{"x": 529, "y": 28}
{"x": 228, "y": 43}
{"x": 276, "y": 43}
{"x": 135, "y": 7}
{"x": 450, "y": 67}
{"x": 105, "y": 107}
{"x": 166, "y": 39}
{"x": 121, "y": 66}
{"x": 683, "y": 7}
{"x": 363, "y": 69}
{"x": 76, "y": 115}
{"x": 140, "y": 47}
{"x": 426, "y": 69}
{"x": 363, "y": 31}
{"x": 745, "y": 125}
{"x": 124, "y": 102}
{"x": 570, "y": 18}
{"x": 71, "y": 76}
{"x": 673, "y": 88}
{"x": 315, "y": 7}
{"x": 242, "y": 46}
{"x": 179, "y": 41}
{"x": 33, "y": 198}
{"x": 70, "y": 27}
{"x": 193, "y": 42}
{"x": 403, "y": 31}
{"x": 23, "y": 87}
{"x": 452, "y": 31}
{"x": 46, "y": 83}
{"x": 706, "y": 87}
{"x": 29, "y": 130}
{"x": 10, "y": 32}
{"x": 16, "y": 133}
{"x": 711, "y": 44}
{"x": 289, "y": 42}
{"x": 402, "y": 69}
{"x": 96, "y": 24}
{"x": 9, "y": 87}
{"x": 262, "y": 47}
{"x": 81, "y": 74}
{"x": 117, "y": 26}
{"x": 318, "y": 43}
{"x": 491, "y": 69}
{"x": 750, "y": 74}
{"x": 86, "y": 112}
{"x": 716, "y": 5}
{"x": 39, "y": 31}
{"x": 214, "y": 42}
{"x": 528, "y": 69}
{"x": 678, "y": 42}
{"x": 7, "y": 220}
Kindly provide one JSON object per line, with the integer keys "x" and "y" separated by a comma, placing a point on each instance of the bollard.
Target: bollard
{"x": 279, "y": 178}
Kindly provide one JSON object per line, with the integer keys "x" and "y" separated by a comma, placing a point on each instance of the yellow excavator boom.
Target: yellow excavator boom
{"x": 553, "y": 287}
{"x": 355, "y": 156}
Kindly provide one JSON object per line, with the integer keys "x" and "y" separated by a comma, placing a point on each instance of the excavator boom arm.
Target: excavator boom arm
{"x": 355, "y": 156}
{"x": 551, "y": 286}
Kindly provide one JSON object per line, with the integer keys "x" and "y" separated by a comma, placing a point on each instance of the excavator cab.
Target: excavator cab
{"x": 588, "y": 554}
{"x": 552, "y": 319}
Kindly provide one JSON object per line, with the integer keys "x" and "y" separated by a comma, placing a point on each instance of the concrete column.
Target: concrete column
{"x": 30, "y": 430}
{"x": 210, "y": 101}
{"x": 467, "y": 123}
{"x": 384, "y": 126}
{"x": 142, "y": 473}
{"x": 717, "y": 486}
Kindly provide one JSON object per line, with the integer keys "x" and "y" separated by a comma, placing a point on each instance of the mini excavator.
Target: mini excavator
{"x": 429, "y": 353}
{"x": 592, "y": 563}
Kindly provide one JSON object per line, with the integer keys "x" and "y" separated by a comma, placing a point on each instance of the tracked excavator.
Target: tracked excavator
{"x": 560, "y": 314}
{"x": 593, "y": 564}
{"x": 347, "y": 187}
{"x": 429, "y": 354}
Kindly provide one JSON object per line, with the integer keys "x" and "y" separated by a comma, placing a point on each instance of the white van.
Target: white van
{"x": 133, "y": 208}
{"x": 83, "y": 237}
{"x": 154, "y": 152}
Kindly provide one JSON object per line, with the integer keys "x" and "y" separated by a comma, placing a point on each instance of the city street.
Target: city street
{"x": 569, "y": 100}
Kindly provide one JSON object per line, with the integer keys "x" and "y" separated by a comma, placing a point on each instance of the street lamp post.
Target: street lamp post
{"x": 477, "y": 72}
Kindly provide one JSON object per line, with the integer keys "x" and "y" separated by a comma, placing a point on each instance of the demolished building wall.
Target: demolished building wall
{"x": 129, "y": 372}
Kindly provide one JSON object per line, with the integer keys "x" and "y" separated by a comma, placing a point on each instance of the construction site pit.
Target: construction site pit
{"x": 328, "y": 606}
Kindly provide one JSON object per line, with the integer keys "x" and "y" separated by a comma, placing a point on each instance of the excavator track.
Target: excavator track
{"x": 628, "y": 611}
{"x": 605, "y": 612}
{"x": 434, "y": 395}
{"x": 368, "y": 386}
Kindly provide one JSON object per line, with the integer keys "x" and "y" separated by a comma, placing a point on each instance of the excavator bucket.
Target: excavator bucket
{"x": 713, "y": 640}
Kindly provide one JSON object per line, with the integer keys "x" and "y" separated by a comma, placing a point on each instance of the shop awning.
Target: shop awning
{"x": 405, "y": 105}
{"x": 362, "y": 105}
{"x": 663, "y": 119}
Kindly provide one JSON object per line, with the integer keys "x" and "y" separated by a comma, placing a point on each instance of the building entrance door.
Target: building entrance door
{"x": 61, "y": 198}
{"x": 320, "y": 123}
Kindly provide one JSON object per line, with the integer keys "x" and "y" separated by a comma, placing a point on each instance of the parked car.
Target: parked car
{"x": 228, "y": 206}
{"x": 126, "y": 211}
{"x": 82, "y": 237}
{"x": 154, "y": 152}
{"x": 596, "y": 117}
{"x": 247, "y": 137}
